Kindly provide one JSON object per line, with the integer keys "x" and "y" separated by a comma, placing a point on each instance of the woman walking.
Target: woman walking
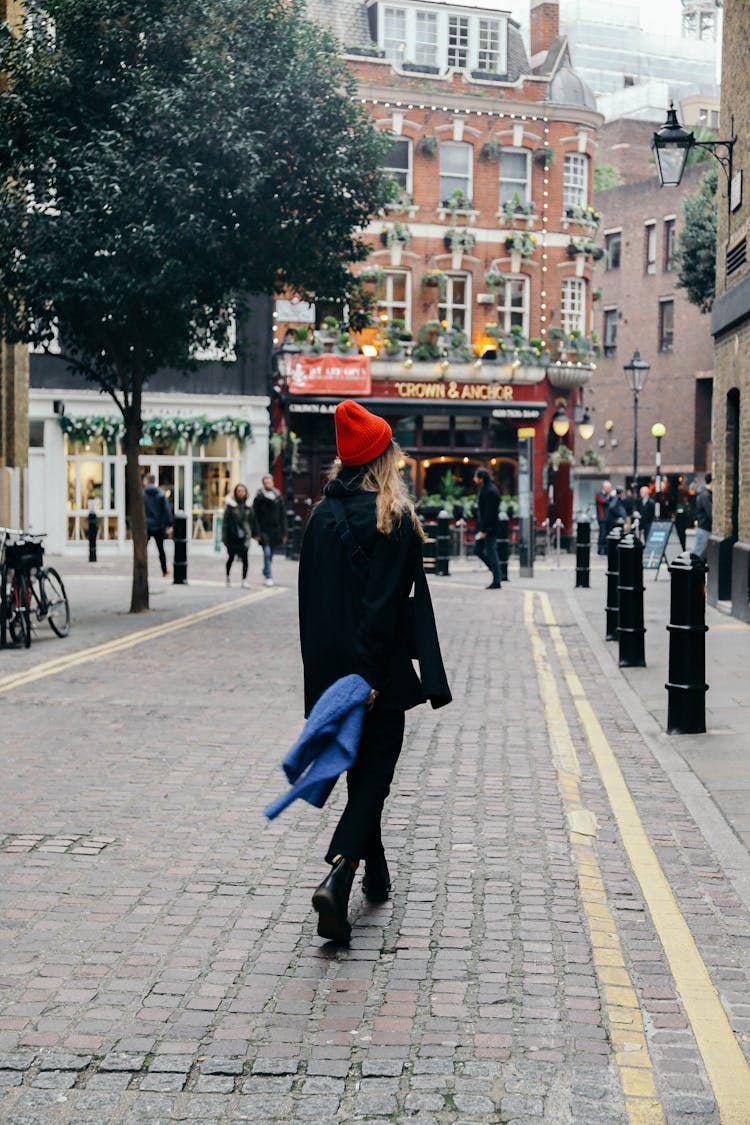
{"x": 237, "y": 529}
{"x": 361, "y": 556}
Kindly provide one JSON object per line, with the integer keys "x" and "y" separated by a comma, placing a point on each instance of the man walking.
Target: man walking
{"x": 270, "y": 516}
{"x": 646, "y": 510}
{"x": 485, "y": 539}
{"x": 704, "y": 512}
{"x": 159, "y": 520}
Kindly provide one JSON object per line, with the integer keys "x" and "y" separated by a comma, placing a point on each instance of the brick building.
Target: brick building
{"x": 482, "y": 268}
{"x": 729, "y": 549}
{"x": 639, "y": 306}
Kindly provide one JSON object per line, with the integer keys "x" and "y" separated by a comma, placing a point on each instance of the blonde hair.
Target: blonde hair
{"x": 382, "y": 476}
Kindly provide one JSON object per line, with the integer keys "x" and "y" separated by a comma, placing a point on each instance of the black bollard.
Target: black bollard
{"x": 613, "y": 578}
{"x": 687, "y": 687}
{"x": 443, "y": 544}
{"x": 630, "y": 628}
{"x": 583, "y": 553}
{"x": 92, "y": 532}
{"x": 503, "y": 544}
{"x": 179, "y": 538}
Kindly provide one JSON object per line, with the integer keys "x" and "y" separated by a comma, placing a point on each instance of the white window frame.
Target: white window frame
{"x": 462, "y": 45}
{"x": 406, "y": 16}
{"x": 393, "y": 171}
{"x": 484, "y": 25}
{"x": 608, "y": 234}
{"x": 426, "y": 38}
{"x": 573, "y": 305}
{"x": 506, "y": 310}
{"x": 447, "y": 305}
{"x": 469, "y": 153}
{"x": 575, "y": 180}
{"x": 394, "y": 46}
{"x": 649, "y": 249}
{"x": 609, "y": 344}
{"x": 386, "y": 303}
{"x": 524, "y": 190}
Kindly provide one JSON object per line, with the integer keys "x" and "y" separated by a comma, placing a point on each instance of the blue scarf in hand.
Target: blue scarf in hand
{"x": 327, "y": 746}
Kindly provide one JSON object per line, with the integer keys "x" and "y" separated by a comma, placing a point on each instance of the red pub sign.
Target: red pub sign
{"x": 339, "y": 375}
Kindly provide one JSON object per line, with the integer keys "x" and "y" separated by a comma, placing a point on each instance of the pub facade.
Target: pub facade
{"x": 481, "y": 267}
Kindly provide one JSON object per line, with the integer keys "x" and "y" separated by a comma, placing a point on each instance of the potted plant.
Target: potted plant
{"x": 435, "y": 279}
{"x": 493, "y": 279}
{"x": 459, "y": 241}
{"x": 515, "y": 208}
{"x": 491, "y": 151}
{"x": 544, "y": 156}
{"x": 427, "y": 145}
{"x": 428, "y": 337}
{"x": 458, "y": 201}
{"x": 395, "y": 237}
{"x": 519, "y": 245}
{"x": 372, "y": 275}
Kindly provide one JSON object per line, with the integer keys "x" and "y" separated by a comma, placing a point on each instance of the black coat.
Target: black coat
{"x": 704, "y": 508}
{"x": 646, "y": 510}
{"x": 488, "y": 507}
{"x": 354, "y": 621}
{"x": 158, "y": 511}
{"x": 270, "y": 518}
{"x": 238, "y": 526}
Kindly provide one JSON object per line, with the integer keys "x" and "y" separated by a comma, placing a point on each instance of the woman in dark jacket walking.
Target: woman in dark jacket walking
{"x": 361, "y": 555}
{"x": 237, "y": 529}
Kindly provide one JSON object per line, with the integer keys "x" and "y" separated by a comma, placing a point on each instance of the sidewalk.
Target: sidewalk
{"x": 158, "y": 955}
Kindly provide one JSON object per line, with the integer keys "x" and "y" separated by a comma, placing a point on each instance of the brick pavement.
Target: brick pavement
{"x": 159, "y": 957}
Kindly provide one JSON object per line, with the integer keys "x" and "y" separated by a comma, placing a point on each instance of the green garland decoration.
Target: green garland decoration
{"x": 199, "y": 430}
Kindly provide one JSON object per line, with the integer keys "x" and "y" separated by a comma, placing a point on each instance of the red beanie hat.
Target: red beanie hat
{"x": 360, "y": 435}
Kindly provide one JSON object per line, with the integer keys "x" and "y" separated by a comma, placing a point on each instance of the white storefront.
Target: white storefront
{"x": 72, "y": 474}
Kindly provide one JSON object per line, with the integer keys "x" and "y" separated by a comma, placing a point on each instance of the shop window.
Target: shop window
{"x": 649, "y": 263}
{"x": 455, "y": 170}
{"x": 669, "y": 245}
{"x": 436, "y": 431}
{"x": 573, "y": 305}
{"x": 613, "y": 246}
{"x": 468, "y": 432}
{"x": 666, "y": 326}
{"x": 405, "y": 432}
{"x": 610, "y": 332}
{"x": 398, "y": 163}
{"x": 575, "y": 180}
{"x": 36, "y": 434}
{"x": 513, "y": 304}
{"x": 514, "y": 176}
{"x": 454, "y": 310}
{"x": 391, "y": 298}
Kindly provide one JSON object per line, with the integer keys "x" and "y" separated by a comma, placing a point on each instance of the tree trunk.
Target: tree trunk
{"x": 134, "y": 508}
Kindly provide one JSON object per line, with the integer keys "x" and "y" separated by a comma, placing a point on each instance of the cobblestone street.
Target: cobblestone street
{"x": 158, "y": 953}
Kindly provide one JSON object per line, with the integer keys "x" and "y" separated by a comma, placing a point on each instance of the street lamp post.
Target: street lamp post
{"x": 658, "y": 430}
{"x": 636, "y": 373}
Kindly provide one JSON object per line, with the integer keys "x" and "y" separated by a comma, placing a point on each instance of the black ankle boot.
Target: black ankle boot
{"x": 331, "y": 900}
{"x": 376, "y": 885}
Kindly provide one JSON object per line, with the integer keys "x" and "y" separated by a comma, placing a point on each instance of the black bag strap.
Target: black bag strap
{"x": 359, "y": 558}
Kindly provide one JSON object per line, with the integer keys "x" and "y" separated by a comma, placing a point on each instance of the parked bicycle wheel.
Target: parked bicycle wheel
{"x": 58, "y": 609}
{"x": 20, "y": 622}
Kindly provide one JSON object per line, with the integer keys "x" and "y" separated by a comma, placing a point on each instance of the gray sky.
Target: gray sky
{"x": 663, "y": 16}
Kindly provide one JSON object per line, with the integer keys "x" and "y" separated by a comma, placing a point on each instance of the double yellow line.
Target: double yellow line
{"x": 130, "y": 640}
{"x": 726, "y": 1066}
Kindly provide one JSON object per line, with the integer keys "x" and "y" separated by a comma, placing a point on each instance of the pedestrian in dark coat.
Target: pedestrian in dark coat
{"x": 361, "y": 555}
{"x": 485, "y": 537}
{"x": 159, "y": 519}
{"x": 270, "y": 519}
{"x": 646, "y": 511}
{"x": 237, "y": 529}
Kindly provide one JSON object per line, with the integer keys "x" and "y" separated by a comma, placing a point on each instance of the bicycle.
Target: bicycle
{"x": 35, "y": 592}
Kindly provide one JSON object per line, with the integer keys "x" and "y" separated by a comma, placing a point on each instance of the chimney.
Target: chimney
{"x": 544, "y": 27}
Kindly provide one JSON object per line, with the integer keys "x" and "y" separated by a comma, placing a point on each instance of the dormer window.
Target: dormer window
{"x": 420, "y": 34}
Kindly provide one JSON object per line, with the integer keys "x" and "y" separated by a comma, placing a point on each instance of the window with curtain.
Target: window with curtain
{"x": 575, "y": 179}
{"x": 514, "y": 176}
{"x": 669, "y": 245}
{"x": 573, "y": 305}
{"x": 455, "y": 169}
{"x": 398, "y": 163}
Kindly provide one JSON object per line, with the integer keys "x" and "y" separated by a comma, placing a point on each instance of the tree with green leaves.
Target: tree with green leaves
{"x": 159, "y": 159}
{"x": 695, "y": 259}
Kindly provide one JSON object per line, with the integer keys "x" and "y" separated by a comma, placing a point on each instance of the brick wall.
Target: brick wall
{"x": 544, "y": 25}
{"x": 670, "y": 392}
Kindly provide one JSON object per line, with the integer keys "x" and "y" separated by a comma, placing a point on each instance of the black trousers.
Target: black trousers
{"x": 237, "y": 553}
{"x": 486, "y": 550}
{"x": 158, "y": 538}
{"x": 368, "y": 783}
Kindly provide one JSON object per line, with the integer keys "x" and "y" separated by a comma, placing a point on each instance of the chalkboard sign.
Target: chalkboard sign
{"x": 660, "y": 547}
